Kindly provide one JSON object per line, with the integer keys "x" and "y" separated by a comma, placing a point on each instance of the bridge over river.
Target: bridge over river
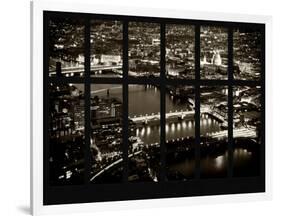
{"x": 176, "y": 114}
{"x": 73, "y": 71}
{"x": 237, "y": 132}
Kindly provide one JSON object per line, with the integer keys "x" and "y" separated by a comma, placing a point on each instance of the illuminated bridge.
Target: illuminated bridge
{"x": 178, "y": 114}
{"x": 156, "y": 116}
{"x": 75, "y": 70}
{"x": 239, "y": 132}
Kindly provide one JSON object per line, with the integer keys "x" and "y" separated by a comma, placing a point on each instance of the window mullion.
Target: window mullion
{"x": 87, "y": 101}
{"x": 197, "y": 101}
{"x": 125, "y": 102}
{"x": 163, "y": 102}
{"x": 230, "y": 102}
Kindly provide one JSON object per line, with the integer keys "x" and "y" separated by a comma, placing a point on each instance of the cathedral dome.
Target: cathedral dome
{"x": 217, "y": 59}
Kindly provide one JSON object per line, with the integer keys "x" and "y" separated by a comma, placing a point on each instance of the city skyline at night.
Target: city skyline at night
{"x": 127, "y": 119}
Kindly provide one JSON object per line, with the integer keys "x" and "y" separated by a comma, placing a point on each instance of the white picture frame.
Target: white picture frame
{"x": 37, "y": 8}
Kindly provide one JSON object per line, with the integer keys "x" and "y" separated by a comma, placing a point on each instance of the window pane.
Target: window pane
{"x": 106, "y": 140}
{"x": 214, "y": 131}
{"x": 66, "y": 134}
{"x": 106, "y": 48}
{"x": 247, "y": 130}
{"x": 144, "y": 49}
{"x": 247, "y": 54}
{"x": 180, "y": 51}
{"x": 180, "y": 132}
{"x": 66, "y": 47}
{"x": 214, "y": 52}
{"x": 144, "y": 133}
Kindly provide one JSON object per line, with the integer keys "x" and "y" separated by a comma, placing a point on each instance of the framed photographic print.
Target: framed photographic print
{"x": 146, "y": 104}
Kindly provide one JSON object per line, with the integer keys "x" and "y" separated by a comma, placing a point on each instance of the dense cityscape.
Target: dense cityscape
{"x": 66, "y": 133}
{"x": 106, "y": 125}
{"x": 247, "y": 54}
{"x": 66, "y": 47}
{"x": 214, "y": 53}
{"x": 180, "y": 51}
{"x": 144, "y": 49}
{"x": 106, "y": 62}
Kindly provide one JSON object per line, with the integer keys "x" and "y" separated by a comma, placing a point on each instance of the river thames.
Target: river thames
{"x": 145, "y": 100}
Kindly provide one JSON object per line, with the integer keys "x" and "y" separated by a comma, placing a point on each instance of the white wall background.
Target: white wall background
{"x": 14, "y": 105}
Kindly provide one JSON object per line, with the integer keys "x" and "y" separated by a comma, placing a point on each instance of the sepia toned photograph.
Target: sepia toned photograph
{"x": 247, "y": 130}
{"x": 66, "y": 134}
{"x": 180, "y": 133}
{"x": 66, "y": 47}
{"x": 106, "y": 135}
{"x": 213, "y": 131}
{"x": 180, "y": 51}
{"x": 106, "y": 105}
{"x": 213, "y": 52}
{"x": 144, "y": 49}
{"x": 106, "y": 48}
{"x": 125, "y": 131}
{"x": 247, "y": 54}
{"x": 144, "y": 133}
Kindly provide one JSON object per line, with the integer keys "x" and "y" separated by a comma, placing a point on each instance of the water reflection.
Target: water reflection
{"x": 214, "y": 162}
{"x": 184, "y": 128}
{"x": 215, "y": 165}
{"x": 219, "y": 162}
